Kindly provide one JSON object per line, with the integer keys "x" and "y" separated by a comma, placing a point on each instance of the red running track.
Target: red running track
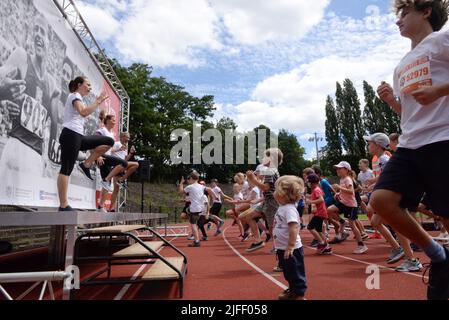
{"x": 221, "y": 270}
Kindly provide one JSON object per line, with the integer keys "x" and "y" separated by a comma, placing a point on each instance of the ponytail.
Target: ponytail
{"x": 74, "y": 84}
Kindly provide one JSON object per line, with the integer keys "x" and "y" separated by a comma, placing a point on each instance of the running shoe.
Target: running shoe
{"x": 314, "y": 243}
{"x": 204, "y": 238}
{"x": 255, "y": 246}
{"x": 443, "y": 235}
{"x": 245, "y": 236}
{"x": 396, "y": 255}
{"x": 335, "y": 240}
{"x": 277, "y": 269}
{"x": 85, "y": 170}
{"x": 365, "y": 236}
{"x": 191, "y": 238}
{"x": 68, "y": 208}
{"x": 360, "y": 250}
{"x": 326, "y": 250}
{"x": 410, "y": 265}
{"x": 209, "y": 225}
{"x": 195, "y": 244}
{"x": 375, "y": 235}
{"x": 438, "y": 285}
{"x": 107, "y": 186}
{"x": 289, "y": 295}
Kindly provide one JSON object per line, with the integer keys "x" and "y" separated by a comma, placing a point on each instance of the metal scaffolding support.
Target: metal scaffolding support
{"x": 70, "y": 12}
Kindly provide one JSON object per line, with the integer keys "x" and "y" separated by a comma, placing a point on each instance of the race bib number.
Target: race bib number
{"x": 415, "y": 76}
{"x": 33, "y": 116}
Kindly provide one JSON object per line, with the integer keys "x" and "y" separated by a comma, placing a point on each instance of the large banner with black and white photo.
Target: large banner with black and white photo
{"x": 39, "y": 55}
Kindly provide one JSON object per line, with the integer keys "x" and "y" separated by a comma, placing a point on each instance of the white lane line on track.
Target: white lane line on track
{"x": 369, "y": 264}
{"x": 126, "y": 287}
{"x": 252, "y": 265}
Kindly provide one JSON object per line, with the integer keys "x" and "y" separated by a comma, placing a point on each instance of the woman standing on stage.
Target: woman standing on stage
{"x": 73, "y": 140}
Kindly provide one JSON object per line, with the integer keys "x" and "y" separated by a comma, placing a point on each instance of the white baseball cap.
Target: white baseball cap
{"x": 379, "y": 138}
{"x": 343, "y": 164}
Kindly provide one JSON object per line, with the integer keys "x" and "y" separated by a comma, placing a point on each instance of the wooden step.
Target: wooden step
{"x": 114, "y": 229}
{"x": 161, "y": 271}
{"x": 138, "y": 250}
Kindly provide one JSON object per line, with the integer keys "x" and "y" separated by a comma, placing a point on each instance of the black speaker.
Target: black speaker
{"x": 144, "y": 170}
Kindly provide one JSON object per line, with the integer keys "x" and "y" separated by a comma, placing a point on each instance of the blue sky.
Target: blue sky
{"x": 269, "y": 62}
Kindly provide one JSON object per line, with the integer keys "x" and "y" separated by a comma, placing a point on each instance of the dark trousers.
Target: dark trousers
{"x": 201, "y": 223}
{"x": 294, "y": 270}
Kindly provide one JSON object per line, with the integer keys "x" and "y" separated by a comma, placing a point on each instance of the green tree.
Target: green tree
{"x": 293, "y": 162}
{"x": 333, "y": 150}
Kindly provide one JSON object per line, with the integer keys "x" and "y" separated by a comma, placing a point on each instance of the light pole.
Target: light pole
{"x": 315, "y": 139}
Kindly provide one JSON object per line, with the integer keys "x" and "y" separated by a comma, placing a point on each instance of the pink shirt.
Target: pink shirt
{"x": 321, "y": 210}
{"x": 346, "y": 198}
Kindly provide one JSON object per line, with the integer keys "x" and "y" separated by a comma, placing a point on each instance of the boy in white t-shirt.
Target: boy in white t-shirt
{"x": 421, "y": 97}
{"x": 377, "y": 144}
{"x": 196, "y": 193}
{"x": 287, "y": 242}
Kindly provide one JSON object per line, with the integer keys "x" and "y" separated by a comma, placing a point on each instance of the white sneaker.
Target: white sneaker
{"x": 107, "y": 186}
{"x": 360, "y": 250}
{"x": 443, "y": 235}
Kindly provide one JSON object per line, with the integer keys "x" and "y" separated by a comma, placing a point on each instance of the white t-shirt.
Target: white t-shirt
{"x": 206, "y": 203}
{"x": 196, "y": 193}
{"x": 256, "y": 191}
{"x": 285, "y": 215}
{"x": 238, "y": 196}
{"x": 364, "y": 176}
{"x": 72, "y": 119}
{"x": 245, "y": 189}
{"x": 217, "y": 192}
{"x": 426, "y": 65}
{"x": 122, "y": 154}
{"x": 105, "y": 132}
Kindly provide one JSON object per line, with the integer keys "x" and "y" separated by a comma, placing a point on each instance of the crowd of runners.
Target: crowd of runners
{"x": 408, "y": 175}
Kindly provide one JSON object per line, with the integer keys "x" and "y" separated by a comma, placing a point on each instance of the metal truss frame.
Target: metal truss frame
{"x": 71, "y": 14}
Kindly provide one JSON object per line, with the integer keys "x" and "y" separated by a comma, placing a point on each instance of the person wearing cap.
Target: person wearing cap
{"x": 319, "y": 214}
{"x": 346, "y": 203}
{"x": 420, "y": 95}
{"x": 377, "y": 144}
{"x": 196, "y": 193}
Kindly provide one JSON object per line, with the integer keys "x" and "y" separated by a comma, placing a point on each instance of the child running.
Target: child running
{"x": 272, "y": 159}
{"x": 196, "y": 193}
{"x": 423, "y": 151}
{"x": 287, "y": 241}
{"x": 377, "y": 144}
{"x": 319, "y": 215}
{"x": 346, "y": 203}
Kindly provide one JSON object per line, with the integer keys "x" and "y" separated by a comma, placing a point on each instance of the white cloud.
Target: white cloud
{"x": 295, "y": 100}
{"x": 252, "y": 22}
{"x": 100, "y": 20}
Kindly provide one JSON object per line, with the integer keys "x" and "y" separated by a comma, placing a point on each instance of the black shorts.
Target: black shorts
{"x": 194, "y": 217}
{"x": 186, "y": 208}
{"x": 316, "y": 224}
{"x": 110, "y": 162}
{"x": 358, "y": 198}
{"x": 72, "y": 143}
{"x": 215, "y": 209}
{"x": 350, "y": 213}
{"x": 412, "y": 173}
